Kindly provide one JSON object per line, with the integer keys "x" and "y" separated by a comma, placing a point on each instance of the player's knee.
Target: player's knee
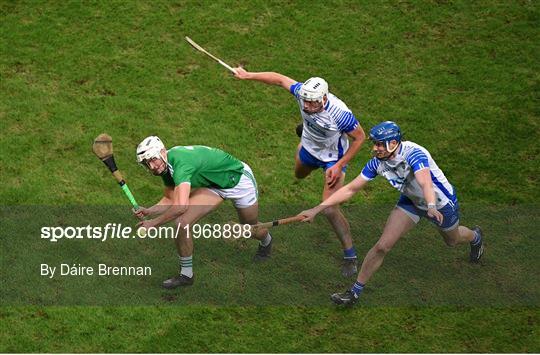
{"x": 181, "y": 224}
{"x": 382, "y": 248}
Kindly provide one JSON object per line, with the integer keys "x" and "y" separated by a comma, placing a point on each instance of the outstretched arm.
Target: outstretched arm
{"x": 340, "y": 196}
{"x": 269, "y": 78}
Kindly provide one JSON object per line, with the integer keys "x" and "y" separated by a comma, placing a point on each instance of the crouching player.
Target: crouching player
{"x": 425, "y": 192}
{"x": 197, "y": 179}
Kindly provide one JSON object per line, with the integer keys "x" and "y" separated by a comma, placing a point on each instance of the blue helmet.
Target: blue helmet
{"x": 385, "y": 132}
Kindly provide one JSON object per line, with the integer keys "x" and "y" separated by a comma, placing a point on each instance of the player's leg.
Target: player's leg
{"x": 301, "y": 168}
{"x": 341, "y": 227}
{"x": 458, "y": 235}
{"x": 245, "y": 199}
{"x": 454, "y": 234}
{"x": 398, "y": 224}
{"x": 250, "y": 215}
{"x": 201, "y": 202}
{"x": 461, "y": 235}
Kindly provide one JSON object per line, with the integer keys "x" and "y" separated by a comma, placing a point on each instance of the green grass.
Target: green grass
{"x": 461, "y": 78}
{"x": 270, "y": 329}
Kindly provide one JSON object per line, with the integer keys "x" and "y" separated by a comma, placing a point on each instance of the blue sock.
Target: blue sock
{"x": 357, "y": 288}
{"x": 349, "y": 253}
{"x": 477, "y": 239}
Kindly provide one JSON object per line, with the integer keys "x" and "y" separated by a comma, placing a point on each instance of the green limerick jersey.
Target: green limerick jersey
{"x": 202, "y": 166}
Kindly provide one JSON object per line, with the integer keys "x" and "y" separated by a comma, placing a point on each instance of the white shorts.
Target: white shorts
{"x": 244, "y": 194}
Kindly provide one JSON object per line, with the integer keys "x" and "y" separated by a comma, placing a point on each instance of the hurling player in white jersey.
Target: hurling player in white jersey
{"x": 328, "y": 124}
{"x": 425, "y": 192}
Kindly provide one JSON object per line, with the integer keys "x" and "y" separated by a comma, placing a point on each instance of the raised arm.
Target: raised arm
{"x": 269, "y": 78}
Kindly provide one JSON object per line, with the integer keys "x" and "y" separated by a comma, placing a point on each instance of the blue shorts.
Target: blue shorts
{"x": 450, "y": 213}
{"x": 310, "y": 160}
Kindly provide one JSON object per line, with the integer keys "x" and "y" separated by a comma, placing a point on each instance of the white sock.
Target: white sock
{"x": 266, "y": 240}
{"x": 186, "y": 265}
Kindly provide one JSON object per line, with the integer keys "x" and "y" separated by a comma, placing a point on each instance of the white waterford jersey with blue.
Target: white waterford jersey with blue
{"x": 399, "y": 171}
{"x": 324, "y": 132}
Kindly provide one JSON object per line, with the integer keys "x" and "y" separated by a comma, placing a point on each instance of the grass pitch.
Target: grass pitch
{"x": 460, "y": 78}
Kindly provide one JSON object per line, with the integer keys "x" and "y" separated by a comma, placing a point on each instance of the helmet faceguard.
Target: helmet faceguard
{"x": 314, "y": 89}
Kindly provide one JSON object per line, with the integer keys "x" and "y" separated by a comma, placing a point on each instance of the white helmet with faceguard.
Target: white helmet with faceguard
{"x": 314, "y": 89}
{"x": 150, "y": 148}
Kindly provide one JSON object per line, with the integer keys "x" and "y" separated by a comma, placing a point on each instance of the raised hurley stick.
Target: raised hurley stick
{"x": 201, "y": 49}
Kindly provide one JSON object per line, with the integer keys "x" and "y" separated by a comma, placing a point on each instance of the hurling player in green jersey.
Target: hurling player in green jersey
{"x": 197, "y": 179}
